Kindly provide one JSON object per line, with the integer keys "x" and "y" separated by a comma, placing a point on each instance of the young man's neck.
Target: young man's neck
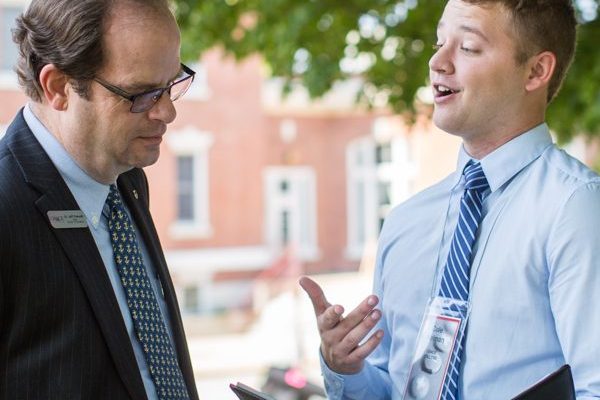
{"x": 482, "y": 145}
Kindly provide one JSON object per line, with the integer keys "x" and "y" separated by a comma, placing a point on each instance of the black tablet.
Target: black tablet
{"x": 556, "y": 386}
{"x": 244, "y": 392}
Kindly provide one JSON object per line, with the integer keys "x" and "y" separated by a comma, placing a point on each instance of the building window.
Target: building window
{"x": 185, "y": 188}
{"x": 191, "y": 148}
{"x": 8, "y": 49}
{"x": 191, "y": 300}
{"x": 291, "y": 210}
{"x": 361, "y": 195}
{"x": 380, "y": 174}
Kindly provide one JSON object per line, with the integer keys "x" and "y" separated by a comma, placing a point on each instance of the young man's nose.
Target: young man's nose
{"x": 441, "y": 61}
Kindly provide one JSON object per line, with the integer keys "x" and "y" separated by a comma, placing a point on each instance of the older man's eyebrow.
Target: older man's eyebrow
{"x": 138, "y": 87}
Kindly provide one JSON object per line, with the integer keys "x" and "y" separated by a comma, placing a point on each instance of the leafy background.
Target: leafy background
{"x": 387, "y": 43}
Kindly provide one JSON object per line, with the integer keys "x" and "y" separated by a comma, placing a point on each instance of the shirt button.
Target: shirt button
{"x": 95, "y": 221}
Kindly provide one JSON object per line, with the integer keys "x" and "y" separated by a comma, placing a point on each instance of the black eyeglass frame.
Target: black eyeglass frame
{"x": 158, "y": 92}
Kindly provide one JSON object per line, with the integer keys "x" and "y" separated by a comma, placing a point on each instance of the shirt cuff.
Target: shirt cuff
{"x": 338, "y": 384}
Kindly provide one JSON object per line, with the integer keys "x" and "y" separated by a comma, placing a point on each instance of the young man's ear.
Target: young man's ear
{"x": 54, "y": 85}
{"x": 541, "y": 68}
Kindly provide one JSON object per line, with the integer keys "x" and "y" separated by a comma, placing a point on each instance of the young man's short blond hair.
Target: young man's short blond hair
{"x": 542, "y": 25}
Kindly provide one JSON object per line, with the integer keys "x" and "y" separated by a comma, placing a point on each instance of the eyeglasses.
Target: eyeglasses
{"x": 142, "y": 102}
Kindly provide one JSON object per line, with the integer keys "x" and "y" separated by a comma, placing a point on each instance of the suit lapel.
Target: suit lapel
{"x": 80, "y": 248}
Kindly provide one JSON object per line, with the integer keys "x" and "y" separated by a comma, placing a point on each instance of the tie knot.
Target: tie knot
{"x": 114, "y": 198}
{"x": 474, "y": 177}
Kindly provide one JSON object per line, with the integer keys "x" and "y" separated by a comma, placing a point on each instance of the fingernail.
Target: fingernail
{"x": 375, "y": 315}
{"x": 338, "y": 310}
{"x": 371, "y": 301}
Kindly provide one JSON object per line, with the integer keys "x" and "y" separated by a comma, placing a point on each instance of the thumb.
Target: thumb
{"x": 314, "y": 291}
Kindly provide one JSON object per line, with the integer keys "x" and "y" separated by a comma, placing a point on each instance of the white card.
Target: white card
{"x": 67, "y": 219}
{"x": 441, "y": 329}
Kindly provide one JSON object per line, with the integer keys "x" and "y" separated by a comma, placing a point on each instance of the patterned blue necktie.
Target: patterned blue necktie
{"x": 455, "y": 281}
{"x": 147, "y": 318}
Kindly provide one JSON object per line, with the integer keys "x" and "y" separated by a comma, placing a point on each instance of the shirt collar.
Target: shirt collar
{"x": 506, "y": 161}
{"x": 89, "y": 193}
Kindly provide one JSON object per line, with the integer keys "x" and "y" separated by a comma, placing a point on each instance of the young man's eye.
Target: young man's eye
{"x": 469, "y": 50}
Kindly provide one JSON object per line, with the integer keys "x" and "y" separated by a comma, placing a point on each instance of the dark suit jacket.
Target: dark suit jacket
{"x": 61, "y": 331}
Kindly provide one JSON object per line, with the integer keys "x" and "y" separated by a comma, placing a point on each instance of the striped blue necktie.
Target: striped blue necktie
{"x": 148, "y": 321}
{"x": 455, "y": 281}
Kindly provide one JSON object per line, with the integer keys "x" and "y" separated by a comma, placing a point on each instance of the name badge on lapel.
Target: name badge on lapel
{"x": 67, "y": 219}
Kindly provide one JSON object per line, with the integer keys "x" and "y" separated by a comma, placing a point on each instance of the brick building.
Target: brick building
{"x": 253, "y": 185}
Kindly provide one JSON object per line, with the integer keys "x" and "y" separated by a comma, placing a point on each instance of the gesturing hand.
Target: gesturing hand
{"x": 341, "y": 336}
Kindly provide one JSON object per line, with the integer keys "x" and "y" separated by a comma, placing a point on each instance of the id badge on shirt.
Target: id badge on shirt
{"x": 441, "y": 331}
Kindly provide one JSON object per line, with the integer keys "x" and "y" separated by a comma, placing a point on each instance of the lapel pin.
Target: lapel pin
{"x": 135, "y": 194}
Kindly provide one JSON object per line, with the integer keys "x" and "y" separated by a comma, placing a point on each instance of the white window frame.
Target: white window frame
{"x": 296, "y": 203}
{"x": 195, "y": 143}
{"x": 399, "y": 172}
{"x": 365, "y": 174}
{"x": 199, "y": 90}
{"x": 185, "y": 307}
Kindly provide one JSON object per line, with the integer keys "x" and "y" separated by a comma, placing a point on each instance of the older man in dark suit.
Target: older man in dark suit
{"x": 87, "y": 307}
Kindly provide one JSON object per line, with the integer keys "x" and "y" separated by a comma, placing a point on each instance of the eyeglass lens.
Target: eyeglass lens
{"x": 145, "y": 101}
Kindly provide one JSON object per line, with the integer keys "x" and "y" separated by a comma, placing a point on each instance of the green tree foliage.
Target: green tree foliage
{"x": 386, "y": 42}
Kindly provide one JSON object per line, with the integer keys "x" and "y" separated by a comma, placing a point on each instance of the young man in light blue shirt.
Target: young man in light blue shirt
{"x": 534, "y": 275}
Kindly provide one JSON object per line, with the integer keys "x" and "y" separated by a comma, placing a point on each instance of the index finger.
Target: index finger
{"x": 314, "y": 291}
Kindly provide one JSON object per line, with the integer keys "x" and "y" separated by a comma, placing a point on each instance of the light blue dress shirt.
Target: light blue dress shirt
{"x": 91, "y": 197}
{"x": 535, "y": 277}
